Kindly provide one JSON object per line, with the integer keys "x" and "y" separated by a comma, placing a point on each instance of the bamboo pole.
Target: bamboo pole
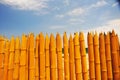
{"x": 53, "y": 61}
{"x": 78, "y": 66}
{"x": 47, "y": 57}
{"x": 42, "y": 57}
{"x": 97, "y": 57}
{"x": 11, "y": 59}
{"x": 102, "y": 57}
{"x": 66, "y": 57}
{"x": 17, "y": 60}
{"x": 83, "y": 56}
{"x": 59, "y": 57}
{"x": 114, "y": 54}
{"x": 71, "y": 58}
{"x": 108, "y": 57}
{"x": 23, "y": 58}
{"x": 37, "y": 59}
{"x": 6, "y": 58}
{"x": 1, "y": 56}
{"x": 91, "y": 56}
{"x": 31, "y": 58}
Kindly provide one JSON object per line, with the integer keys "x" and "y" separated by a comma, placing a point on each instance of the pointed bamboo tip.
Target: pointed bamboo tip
{"x": 37, "y": 37}
{"x": 47, "y": 37}
{"x": 51, "y": 36}
{"x": 70, "y": 36}
{"x": 113, "y": 32}
{"x": 81, "y": 36}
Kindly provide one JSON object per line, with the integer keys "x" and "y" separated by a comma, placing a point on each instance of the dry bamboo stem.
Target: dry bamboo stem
{"x": 11, "y": 59}
{"x": 66, "y": 57}
{"x": 71, "y": 58}
{"x": 53, "y": 61}
{"x": 78, "y": 66}
{"x": 91, "y": 56}
{"x": 97, "y": 57}
{"x": 37, "y": 59}
{"x": 42, "y": 57}
{"x": 102, "y": 57}
{"x": 17, "y": 60}
{"x": 23, "y": 58}
{"x": 31, "y": 58}
{"x": 83, "y": 56}
{"x": 108, "y": 57}
{"x": 47, "y": 58}
{"x": 59, "y": 57}
{"x": 114, "y": 54}
{"x": 6, "y": 58}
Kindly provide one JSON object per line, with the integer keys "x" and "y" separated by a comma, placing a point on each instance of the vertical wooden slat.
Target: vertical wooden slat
{"x": 91, "y": 57}
{"x": 53, "y": 61}
{"x": 42, "y": 57}
{"x": 78, "y": 65}
{"x": 83, "y": 56}
{"x": 17, "y": 59}
{"x": 59, "y": 57}
{"x": 47, "y": 57}
{"x": 71, "y": 58}
{"x": 97, "y": 57}
{"x": 102, "y": 57}
{"x": 108, "y": 57}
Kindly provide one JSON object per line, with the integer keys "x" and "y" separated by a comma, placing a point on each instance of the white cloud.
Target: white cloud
{"x": 56, "y": 27}
{"x": 66, "y": 2}
{"x": 115, "y": 4}
{"x": 59, "y": 16}
{"x": 31, "y": 5}
{"x": 75, "y": 21}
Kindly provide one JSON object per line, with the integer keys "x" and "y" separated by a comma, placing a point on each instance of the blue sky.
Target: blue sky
{"x": 52, "y": 16}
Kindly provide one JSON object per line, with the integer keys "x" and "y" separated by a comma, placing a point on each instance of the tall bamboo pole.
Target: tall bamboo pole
{"x": 108, "y": 57}
{"x": 37, "y": 59}
{"x": 42, "y": 57}
{"x": 53, "y": 61}
{"x": 97, "y": 57}
{"x": 31, "y": 58}
{"x": 47, "y": 57}
{"x": 66, "y": 57}
{"x": 78, "y": 66}
{"x": 23, "y": 58}
{"x": 114, "y": 54}
{"x": 6, "y": 58}
{"x": 71, "y": 58}
{"x": 91, "y": 56}
{"x": 102, "y": 57}
{"x": 11, "y": 59}
{"x": 1, "y": 56}
{"x": 17, "y": 60}
{"x": 59, "y": 57}
{"x": 83, "y": 56}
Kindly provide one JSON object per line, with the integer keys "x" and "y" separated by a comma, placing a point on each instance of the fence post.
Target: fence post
{"x": 102, "y": 57}
{"x": 71, "y": 58}
{"x": 78, "y": 66}
{"x": 53, "y": 61}
{"x": 97, "y": 57}
{"x": 108, "y": 57}
{"x": 47, "y": 58}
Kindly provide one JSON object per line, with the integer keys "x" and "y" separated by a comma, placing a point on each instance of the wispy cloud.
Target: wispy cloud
{"x": 115, "y": 4}
{"x": 59, "y": 16}
{"x": 31, "y": 5}
{"x": 66, "y": 2}
{"x": 75, "y": 21}
{"x": 54, "y": 27}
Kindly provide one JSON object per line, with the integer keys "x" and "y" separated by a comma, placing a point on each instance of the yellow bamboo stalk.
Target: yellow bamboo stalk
{"x": 71, "y": 58}
{"x": 47, "y": 58}
{"x": 97, "y": 57}
{"x": 37, "y": 59}
{"x": 23, "y": 58}
{"x": 108, "y": 57}
{"x": 102, "y": 57}
{"x": 59, "y": 56}
{"x": 114, "y": 54}
{"x": 31, "y": 58}
{"x": 17, "y": 60}
{"x": 6, "y": 58}
{"x": 66, "y": 57}
{"x": 53, "y": 61}
{"x": 83, "y": 56}
{"x": 91, "y": 56}
{"x": 42, "y": 57}
{"x": 78, "y": 66}
{"x": 11, "y": 59}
